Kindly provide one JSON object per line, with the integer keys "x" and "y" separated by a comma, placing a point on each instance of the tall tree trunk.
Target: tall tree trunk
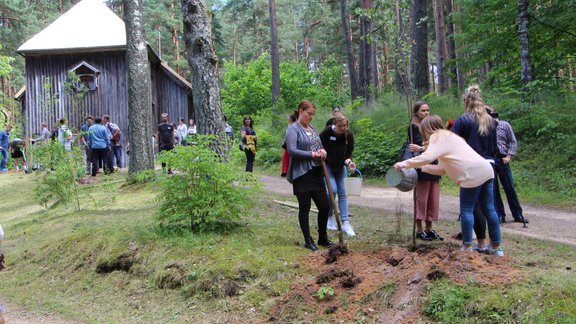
{"x": 441, "y": 48}
{"x": 401, "y": 74}
{"x": 453, "y": 10}
{"x": 139, "y": 106}
{"x": 458, "y": 31}
{"x": 526, "y": 76}
{"x": 453, "y": 77}
{"x": 385, "y": 58}
{"x": 419, "y": 54}
{"x": 365, "y": 51}
{"x": 275, "y": 58}
{"x": 373, "y": 62}
{"x": 175, "y": 38}
{"x": 204, "y": 71}
{"x": 275, "y": 55}
{"x": 354, "y": 87}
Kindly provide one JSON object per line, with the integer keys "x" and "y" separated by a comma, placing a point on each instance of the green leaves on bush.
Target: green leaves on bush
{"x": 376, "y": 150}
{"x": 205, "y": 193}
{"x": 60, "y": 170}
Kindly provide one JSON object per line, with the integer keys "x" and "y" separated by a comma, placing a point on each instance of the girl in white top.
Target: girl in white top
{"x": 467, "y": 169}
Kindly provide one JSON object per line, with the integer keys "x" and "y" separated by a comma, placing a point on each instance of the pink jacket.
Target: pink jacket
{"x": 455, "y": 158}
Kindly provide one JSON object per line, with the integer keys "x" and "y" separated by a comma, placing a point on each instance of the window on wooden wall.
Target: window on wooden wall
{"x": 86, "y": 76}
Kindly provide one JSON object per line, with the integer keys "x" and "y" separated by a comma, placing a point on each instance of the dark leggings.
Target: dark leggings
{"x": 304, "y": 204}
{"x": 250, "y": 156}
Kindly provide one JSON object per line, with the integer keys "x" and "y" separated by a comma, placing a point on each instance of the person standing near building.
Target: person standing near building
{"x": 84, "y": 139}
{"x": 116, "y": 141}
{"x": 44, "y": 134}
{"x": 191, "y": 133}
{"x": 183, "y": 131}
{"x": 99, "y": 141}
{"x": 18, "y": 154}
{"x": 165, "y": 137}
{"x": 339, "y": 145}
{"x": 4, "y": 146}
{"x": 507, "y": 148}
{"x": 64, "y": 134}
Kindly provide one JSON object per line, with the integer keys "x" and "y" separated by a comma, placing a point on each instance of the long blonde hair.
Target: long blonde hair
{"x": 473, "y": 104}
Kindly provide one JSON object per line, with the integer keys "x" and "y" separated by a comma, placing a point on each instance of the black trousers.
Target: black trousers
{"x": 101, "y": 156}
{"x": 304, "y": 203}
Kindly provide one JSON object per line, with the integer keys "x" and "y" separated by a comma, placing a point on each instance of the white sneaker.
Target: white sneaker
{"x": 332, "y": 224}
{"x": 348, "y": 229}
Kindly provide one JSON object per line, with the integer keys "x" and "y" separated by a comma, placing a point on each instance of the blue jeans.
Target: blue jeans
{"x": 4, "y": 158}
{"x": 482, "y": 195}
{"x": 339, "y": 188}
{"x": 117, "y": 155}
{"x": 505, "y": 176}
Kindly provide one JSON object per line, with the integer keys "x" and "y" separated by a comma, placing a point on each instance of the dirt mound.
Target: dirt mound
{"x": 385, "y": 285}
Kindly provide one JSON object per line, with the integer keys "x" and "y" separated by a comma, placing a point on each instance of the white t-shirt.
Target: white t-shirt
{"x": 63, "y": 134}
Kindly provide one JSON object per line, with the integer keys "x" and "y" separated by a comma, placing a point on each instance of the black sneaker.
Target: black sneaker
{"x": 423, "y": 236}
{"x": 434, "y": 236}
{"x": 521, "y": 219}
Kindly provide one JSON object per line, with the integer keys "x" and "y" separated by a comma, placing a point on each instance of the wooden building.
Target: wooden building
{"x": 77, "y": 66}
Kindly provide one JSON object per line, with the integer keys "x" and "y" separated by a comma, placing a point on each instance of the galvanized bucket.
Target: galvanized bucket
{"x": 404, "y": 180}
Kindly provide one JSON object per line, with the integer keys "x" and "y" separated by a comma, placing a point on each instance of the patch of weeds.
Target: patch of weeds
{"x": 170, "y": 277}
{"x": 446, "y": 302}
{"x": 324, "y": 293}
{"x": 382, "y": 294}
{"x": 142, "y": 177}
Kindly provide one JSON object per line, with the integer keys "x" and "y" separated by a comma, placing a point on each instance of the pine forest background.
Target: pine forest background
{"x": 373, "y": 57}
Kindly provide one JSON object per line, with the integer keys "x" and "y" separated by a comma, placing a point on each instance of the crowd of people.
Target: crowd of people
{"x": 474, "y": 151}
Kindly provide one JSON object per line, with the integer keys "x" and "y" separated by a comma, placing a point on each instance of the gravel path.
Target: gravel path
{"x": 550, "y": 224}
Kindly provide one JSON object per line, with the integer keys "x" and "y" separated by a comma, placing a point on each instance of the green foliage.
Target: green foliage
{"x": 445, "y": 302}
{"x": 324, "y": 293}
{"x": 143, "y": 176}
{"x": 5, "y": 67}
{"x": 206, "y": 193}
{"x": 61, "y": 168}
{"x": 376, "y": 150}
{"x": 246, "y": 88}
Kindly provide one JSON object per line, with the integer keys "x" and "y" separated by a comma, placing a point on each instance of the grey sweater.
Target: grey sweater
{"x": 298, "y": 146}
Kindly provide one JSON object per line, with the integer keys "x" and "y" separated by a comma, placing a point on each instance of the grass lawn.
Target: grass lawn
{"x": 108, "y": 262}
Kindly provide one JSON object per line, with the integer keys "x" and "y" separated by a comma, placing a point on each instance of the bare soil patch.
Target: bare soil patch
{"x": 386, "y": 285}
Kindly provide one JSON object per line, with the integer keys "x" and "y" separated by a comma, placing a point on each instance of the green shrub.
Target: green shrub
{"x": 206, "y": 193}
{"x": 58, "y": 172}
{"x": 375, "y": 150}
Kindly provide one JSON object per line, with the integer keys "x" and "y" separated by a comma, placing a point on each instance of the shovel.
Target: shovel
{"x": 341, "y": 246}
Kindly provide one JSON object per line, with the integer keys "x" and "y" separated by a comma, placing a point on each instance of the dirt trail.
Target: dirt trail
{"x": 545, "y": 223}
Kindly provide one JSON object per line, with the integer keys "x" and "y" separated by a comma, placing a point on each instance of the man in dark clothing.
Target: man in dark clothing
{"x": 165, "y": 137}
{"x": 116, "y": 152}
{"x": 100, "y": 145}
{"x": 84, "y": 139}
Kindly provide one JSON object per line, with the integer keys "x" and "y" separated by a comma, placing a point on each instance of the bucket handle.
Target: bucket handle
{"x": 356, "y": 171}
